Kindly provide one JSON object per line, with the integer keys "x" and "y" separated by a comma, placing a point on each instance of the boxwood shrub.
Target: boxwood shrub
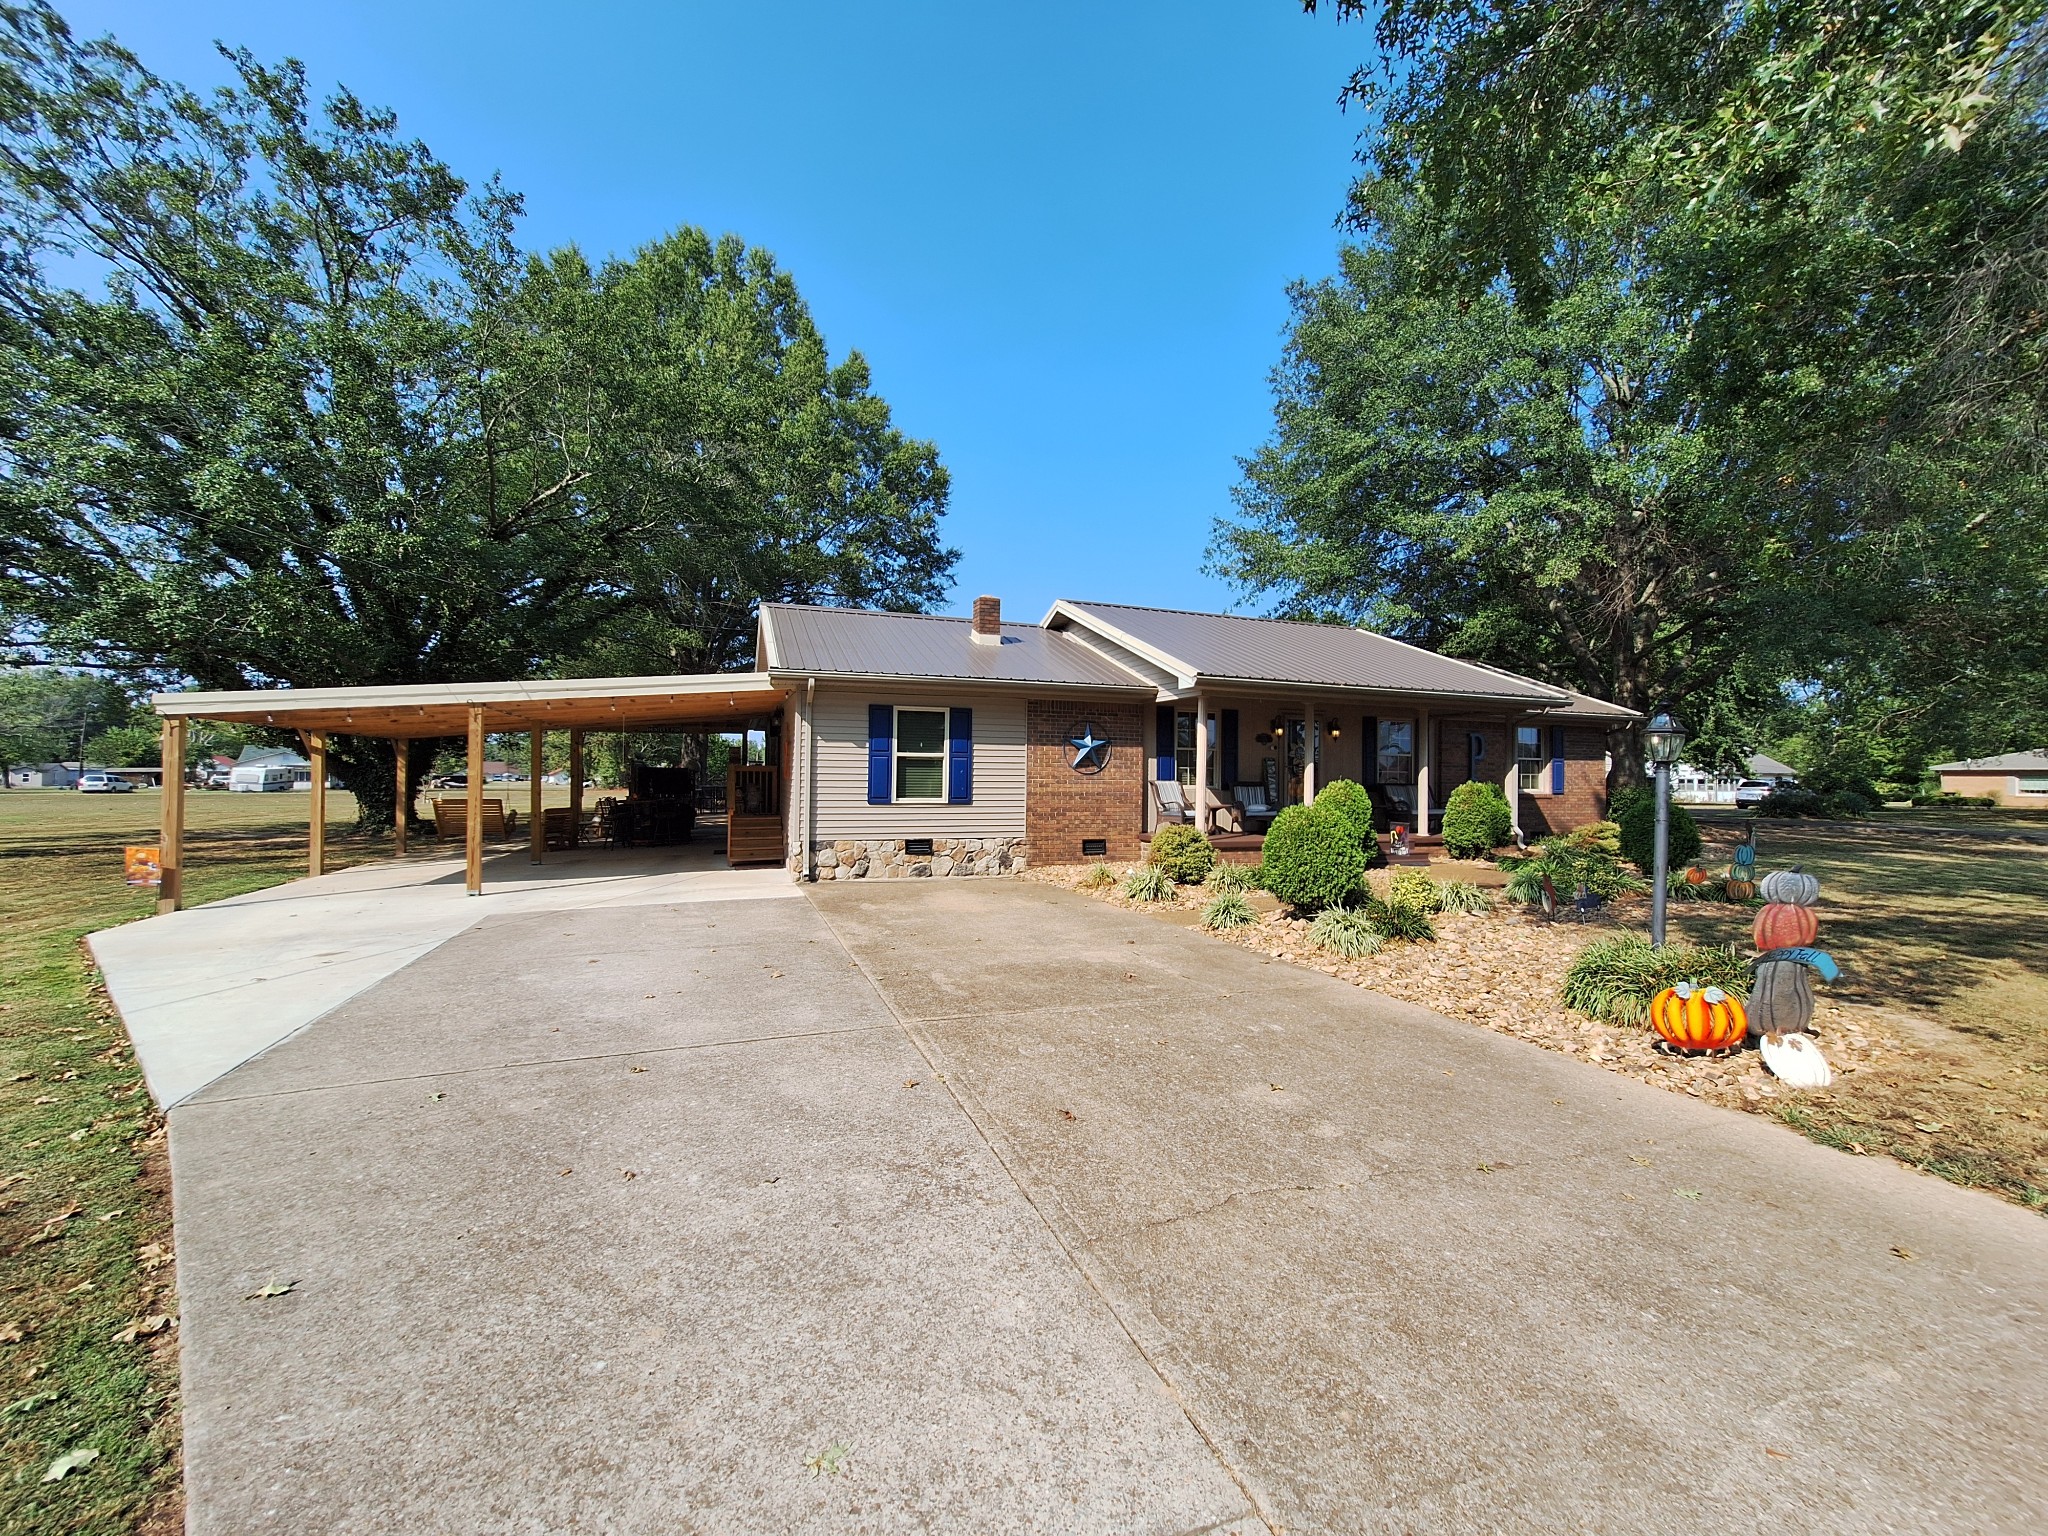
{"x": 1184, "y": 853}
{"x": 1312, "y": 859}
{"x": 1636, "y": 812}
{"x": 1350, "y": 803}
{"x": 1476, "y": 820}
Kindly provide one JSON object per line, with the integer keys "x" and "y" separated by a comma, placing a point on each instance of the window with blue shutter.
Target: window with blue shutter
{"x": 1163, "y": 769}
{"x": 1229, "y": 749}
{"x": 960, "y": 758}
{"x": 881, "y": 752}
{"x": 1557, "y": 759}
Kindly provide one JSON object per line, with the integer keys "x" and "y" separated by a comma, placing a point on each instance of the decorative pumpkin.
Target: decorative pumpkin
{"x": 1783, "y": 926}
{"x": 1695, "y": 876}
{"x": 1797, "y": 1061}
{"x": 1781, "y": 998}
{"x": 1789, "y": 887}
{"x": 1740, "y": 889}
{"x": 1695, "y": 1018}
{"x": 1745, "y": 853}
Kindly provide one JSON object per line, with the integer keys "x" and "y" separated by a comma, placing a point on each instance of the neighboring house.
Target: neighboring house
{"x": 1698, "y": 786}
{"x": 1074, "y": 737}
{"x": 2013, "y": 778}
{"x": 43, "y": 776}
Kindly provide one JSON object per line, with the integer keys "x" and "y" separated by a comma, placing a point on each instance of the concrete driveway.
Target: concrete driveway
{"x": 615, "y": 1220}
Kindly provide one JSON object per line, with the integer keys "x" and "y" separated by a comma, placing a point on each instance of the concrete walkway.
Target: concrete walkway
{"x": 204, "y": 990}
{"x": 1030, "y": 1215}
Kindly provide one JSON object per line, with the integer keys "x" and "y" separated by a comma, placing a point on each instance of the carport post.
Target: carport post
{"x": 316, "y": 809}
{"x": 536, "y": 831}
{"x": 575, "y": 788}
{"x": 402, "y": 749}
{"x": 170, "y": 853}
{"x": 473, "y": 829}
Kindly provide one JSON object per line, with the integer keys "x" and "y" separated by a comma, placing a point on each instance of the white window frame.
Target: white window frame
{"x": 1529, "y": 770}
{"x": 1405, "y": 774}
{"x": 943, "y": 755}
{"x": 2030, "y": 784}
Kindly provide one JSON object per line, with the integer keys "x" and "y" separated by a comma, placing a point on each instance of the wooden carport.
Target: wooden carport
{"x": 405, "y": 713}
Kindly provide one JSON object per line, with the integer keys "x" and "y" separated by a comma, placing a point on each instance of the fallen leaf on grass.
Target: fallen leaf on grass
{"x": 29, "y": 1404}
{"x": 153, "y": 1256}
{"x": 149, "y": 1327}
{"x": 272, "y": 1289}
{"x": 829, "y": 1462}
{"x": 12, "y": 1333}
{"x": 69, "y": 1462}
{"x": 1928, "y": 1126}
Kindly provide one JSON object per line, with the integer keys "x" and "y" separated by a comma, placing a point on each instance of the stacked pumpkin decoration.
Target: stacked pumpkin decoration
{"x": 1787, "y": 920}
{"x": 1781, "y": 996}
{"x": 1741, "y": 883}
{"x": 1690, "y": 1017}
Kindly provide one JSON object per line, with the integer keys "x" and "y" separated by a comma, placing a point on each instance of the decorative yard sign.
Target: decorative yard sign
{"x": 144, "y": 866}
{"x": 1091, "y": 752}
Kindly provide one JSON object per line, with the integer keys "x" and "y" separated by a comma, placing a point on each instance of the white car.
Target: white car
{"x": 104, "y": 784}
{"x": 1751, "y": 793}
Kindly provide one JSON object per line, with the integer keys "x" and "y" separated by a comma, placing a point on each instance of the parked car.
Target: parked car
{"x": 1751, "y": 793}
{"x": 98, "y": 783}
{"x": 449, "y": 781}
{"x": 215, "y": 778}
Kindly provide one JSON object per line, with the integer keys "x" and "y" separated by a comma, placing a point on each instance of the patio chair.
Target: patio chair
{"x": 1258, "y": 810}
{"x": 1173, "y": 803}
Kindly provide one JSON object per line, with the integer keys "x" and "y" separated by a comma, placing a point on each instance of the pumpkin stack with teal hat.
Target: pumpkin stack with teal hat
{"x": 1781, "y": 996}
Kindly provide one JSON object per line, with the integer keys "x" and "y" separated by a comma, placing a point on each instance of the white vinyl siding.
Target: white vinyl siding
{"x": 842, "y": 754}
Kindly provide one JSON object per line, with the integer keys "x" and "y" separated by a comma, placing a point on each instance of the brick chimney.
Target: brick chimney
{"x": 988, "y": 621}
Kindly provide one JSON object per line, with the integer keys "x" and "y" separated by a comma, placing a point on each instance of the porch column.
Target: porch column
{"x": 1201, "y": 784}
{"x": 1425, "y": 763}
{"x": 401, "y": 749}
{"x": 316, "y": 811}
{"x": 170, "y": 852}
{"x": 1512, "y": 785}
{"x": 536, "y": 830}
{"x": 575, "y": 788}
{"x": 1311, "y": 733}
{"x": 473, "y": 810}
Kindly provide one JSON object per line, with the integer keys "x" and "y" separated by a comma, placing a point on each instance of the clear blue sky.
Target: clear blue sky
{"x": 1061, "y": 233}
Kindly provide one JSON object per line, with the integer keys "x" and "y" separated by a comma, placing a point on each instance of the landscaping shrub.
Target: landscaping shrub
{"x": 1229, "y": 910}
{"x": 1947, "y": 799}
{"x": 1462, "y": 896}
{"x": 1312, "y": 859}
{"x": 1635, "y": 812}
{"x": 1399, "y": 920}
{"x": 1346, "y": 931}
{"x": 1226, "y": 878}
{"x": 1184, "y": 853}
{"x": 1412, "y": 888}
{"x": 1148, "y": 882}
{"x": 1098, "y": 876}
{"x": 1569, "y": 865}
{"x": 1788, "y": 801}
{"x": 1352, "y": 805}
{"x": 1615, "y": 978}
{"x": 1595, "y": 837}
{"x": 1476, "y": 820}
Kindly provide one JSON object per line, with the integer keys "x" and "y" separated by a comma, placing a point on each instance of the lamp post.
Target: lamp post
{"x": 1665, "y": 738}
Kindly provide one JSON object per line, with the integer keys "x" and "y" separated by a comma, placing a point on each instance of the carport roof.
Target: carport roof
{"x": 442, "y": 709}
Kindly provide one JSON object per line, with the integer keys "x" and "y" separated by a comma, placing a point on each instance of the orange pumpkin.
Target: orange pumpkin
{"x": 1695, "y": 1018}
{"x": 1780, "y": 925}
{"x": 1695, "y": 876}
{"x": 1740, "y": 889}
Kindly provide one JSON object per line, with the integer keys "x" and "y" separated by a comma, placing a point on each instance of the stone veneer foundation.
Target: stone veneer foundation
{"x": 884, "y": 858}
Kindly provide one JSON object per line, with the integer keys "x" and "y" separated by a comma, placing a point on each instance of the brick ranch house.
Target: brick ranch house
{"x": 2014, "y": 778}
{"x": 921, "y": 745}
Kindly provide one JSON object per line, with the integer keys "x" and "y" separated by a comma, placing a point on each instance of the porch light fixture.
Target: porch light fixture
{"x": 1664, "y": 738}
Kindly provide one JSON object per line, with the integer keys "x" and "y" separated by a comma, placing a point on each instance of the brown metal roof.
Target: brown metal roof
{"x": 857, "y": 642}
{"x": 1223, "y": 647}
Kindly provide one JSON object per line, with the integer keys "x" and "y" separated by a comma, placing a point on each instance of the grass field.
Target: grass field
{"x": 1940, "y": 922}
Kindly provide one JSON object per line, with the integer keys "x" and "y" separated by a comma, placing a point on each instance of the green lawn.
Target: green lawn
{"x": 85, "y": 1211}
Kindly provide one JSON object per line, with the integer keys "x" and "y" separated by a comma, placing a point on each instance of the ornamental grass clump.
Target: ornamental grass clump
{"x": 1399, "y": 920}
{"x": 1227, "y": 878}
{"x": 1347, "y": 932}
{"x": 1184, "y": 853}
{"x": 1462, "y": 896}
{"x": 1350, "y": 804}
{"x": 1615, "y": 978}
{"x": 1228, "y": 910}
{"x": 1476, "y": 820}
{"x": 1312, "y": 859}
{"x": 1098, "y": 876}
{"x": 1148, "y": 882}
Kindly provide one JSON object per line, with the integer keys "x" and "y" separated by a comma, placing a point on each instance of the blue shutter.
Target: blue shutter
{"x": 1557, "y": 759}
{"x": 1164, "y": 767}
{"x": 960, "y": 758}
{"x": 1369, "y": 748}
{"x": 1229, "y": 750}
{"x": 881, "y": 754}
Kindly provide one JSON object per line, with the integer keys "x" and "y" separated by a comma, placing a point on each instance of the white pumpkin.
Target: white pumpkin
{"x": 1796, "y": 1060}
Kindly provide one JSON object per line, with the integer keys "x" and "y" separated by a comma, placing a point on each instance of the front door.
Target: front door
{"x": 1294, "y": 760}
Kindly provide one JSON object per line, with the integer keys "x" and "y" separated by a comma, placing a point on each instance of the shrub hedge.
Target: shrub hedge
{"x": 1476, "y": 820}
{"x": 1312, "y": 859}
{"x": 1184, "y": 853}
{"x": 1352, "y": 805}
{"x": 1635, "y": 810}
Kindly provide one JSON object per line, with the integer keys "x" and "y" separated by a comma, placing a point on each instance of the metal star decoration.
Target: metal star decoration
{"x": 1090, "y": 750}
